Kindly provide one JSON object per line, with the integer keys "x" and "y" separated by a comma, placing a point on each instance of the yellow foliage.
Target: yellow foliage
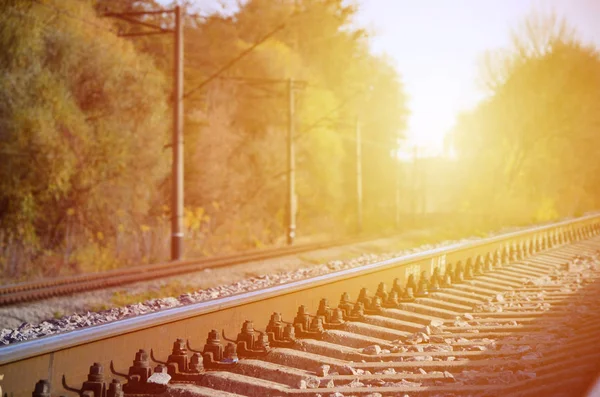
{"x": 193, "y": 219}
{"x": 546, "y": 211}
{"x": 94, "y": 258}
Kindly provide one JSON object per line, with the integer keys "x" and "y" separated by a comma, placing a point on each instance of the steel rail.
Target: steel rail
{"x": 22, "y": 364}
{"x": 23, "y": 350}
{"x": 35, "y": 290}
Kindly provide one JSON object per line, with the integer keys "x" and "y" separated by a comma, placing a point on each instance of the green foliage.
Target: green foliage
{"x": 84, "y": 121}
{"x": 83, "y": 125}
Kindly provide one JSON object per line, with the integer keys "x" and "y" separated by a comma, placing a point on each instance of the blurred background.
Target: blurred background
{"x": 463, "y": 115}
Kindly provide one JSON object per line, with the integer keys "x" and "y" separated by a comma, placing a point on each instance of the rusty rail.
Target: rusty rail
{"x": 53, "y": 287}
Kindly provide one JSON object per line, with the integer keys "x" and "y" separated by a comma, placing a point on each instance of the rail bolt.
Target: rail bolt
{"x": 505, "y": 256}
{"x": 478, "y": 267}
{"x": 521, "y": 250}
{"x": 96, "y": 373}
{"x": 230, "y": 355}
{"x": 247, "y": 335}
{"x": 323, "y": 307}
{"x": 363, "y": 297}
{"x": 213, "y": 346}
{"x": 449, "y": 271}
{"x": 196, "y": 363}
{"x": 358, "y": 310}
{"x": 488, "y": 264}
{"x": 422, "y": 291}
{"x": 115, "y": 389}
{"x": 375, "y": 304}
{"x": 530, "y": 247}
{"x": 42, "y": 389}
{"x": 337, "y": 316}
{"x": 409, "y": 295}
{"x": 397, "y": 287}
{"x": 275, "y": 326}
{"x": 382, "y": 292}
{"x": 289, "y": 332}
{"x": 346, "y": 304}
{"x": 435, "y": 285}
{"x": 411, "y": 283}
{"x": 302, "y": 319}
{"x": 392, "y": 300}
{"x": 459, "y": 276}
{"x": 469, "y": 269}
{"x": 436, "y": 280}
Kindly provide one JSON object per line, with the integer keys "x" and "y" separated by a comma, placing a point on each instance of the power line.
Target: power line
{"x": 70, "y": 15}
{"x": 239, "y": 57}
{"x": 325, "y": 117}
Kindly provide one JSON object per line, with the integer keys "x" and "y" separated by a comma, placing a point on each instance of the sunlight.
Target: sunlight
{"x": 423, "y": 142}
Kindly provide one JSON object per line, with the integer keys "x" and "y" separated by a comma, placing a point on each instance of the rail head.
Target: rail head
{"x": 37, "y": 347}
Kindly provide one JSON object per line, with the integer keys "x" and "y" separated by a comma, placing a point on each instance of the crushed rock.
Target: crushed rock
{"x": 84, "y": 318}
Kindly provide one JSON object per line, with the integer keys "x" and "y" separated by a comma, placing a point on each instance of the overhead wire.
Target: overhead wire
{"x": 68, "y": 14}
{"x": 217, "y": 74}
{"x": 240, "y": 56}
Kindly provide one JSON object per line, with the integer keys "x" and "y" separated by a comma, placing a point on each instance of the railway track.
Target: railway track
{"x": 512, "y": 315}
{"x": 60, "y": 286}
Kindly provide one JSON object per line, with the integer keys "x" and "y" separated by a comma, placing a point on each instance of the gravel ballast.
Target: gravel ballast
{"x": 30, "y": 321}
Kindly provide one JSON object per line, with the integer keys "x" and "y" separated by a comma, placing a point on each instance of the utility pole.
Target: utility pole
{"x": 397, "y": 201}
{"x": 415, "y": 189}
{"x": 359, "y": 189}
{"x": 423, "y": 184}
{"x": 291, "y": 179}
{"x": 177, "y": 140}
{"x": 177, "y": 166}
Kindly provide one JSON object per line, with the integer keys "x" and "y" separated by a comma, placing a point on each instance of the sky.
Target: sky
{"x": 437, "y": 45}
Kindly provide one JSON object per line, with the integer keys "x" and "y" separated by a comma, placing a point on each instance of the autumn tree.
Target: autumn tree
{"x": 82, "y": 131}
{"x": 85, "y": 128}
{"x": 528, "y": 150}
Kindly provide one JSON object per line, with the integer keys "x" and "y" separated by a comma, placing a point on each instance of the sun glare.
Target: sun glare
{"x": 422, "y": 142}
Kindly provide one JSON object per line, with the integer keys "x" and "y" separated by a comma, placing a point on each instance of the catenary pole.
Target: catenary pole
{"x": 177, "y": 144}
{"x": 291, "y": 179}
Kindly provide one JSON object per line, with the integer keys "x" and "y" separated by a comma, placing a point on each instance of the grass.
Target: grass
{"x": 172, "y": 288}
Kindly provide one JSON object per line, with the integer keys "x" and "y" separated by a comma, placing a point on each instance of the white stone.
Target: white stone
{"x": 373, "y": 349}
{"x": 161, "y": 378}
{"x": 323, "y": 370}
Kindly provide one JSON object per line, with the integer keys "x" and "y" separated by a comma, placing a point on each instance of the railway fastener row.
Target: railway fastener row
{"x": 187, "y": 365}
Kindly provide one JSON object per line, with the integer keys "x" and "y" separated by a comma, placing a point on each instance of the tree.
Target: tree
{"x": 533, "y": 138}
{"x": 83, "y": 114}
